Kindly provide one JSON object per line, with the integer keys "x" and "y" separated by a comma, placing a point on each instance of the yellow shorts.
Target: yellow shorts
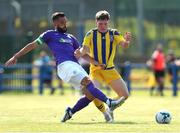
{"x": 105, "y": 76}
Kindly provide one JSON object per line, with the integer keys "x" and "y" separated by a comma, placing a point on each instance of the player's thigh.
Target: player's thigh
{"x": 96, "y": 78}
{"x": 119, "y": 86}
{"x": 110, "y": 75}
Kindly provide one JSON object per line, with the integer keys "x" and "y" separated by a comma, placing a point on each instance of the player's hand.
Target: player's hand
{"x": 128, "y": 36}
{"x": 77, "y": 53}
{"x": 11, "y": 61}
{"x": 102, "y": 66}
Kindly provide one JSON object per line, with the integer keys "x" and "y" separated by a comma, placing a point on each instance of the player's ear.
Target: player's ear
{"x": 54, "y": 23}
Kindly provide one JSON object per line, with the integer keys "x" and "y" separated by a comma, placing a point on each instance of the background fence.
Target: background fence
{"x": 20, "y": 77}
{"x": 150, "y": 21}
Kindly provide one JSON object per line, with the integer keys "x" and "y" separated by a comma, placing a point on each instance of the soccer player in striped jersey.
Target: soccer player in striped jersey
{"x": 62, "y": 46}
{"x": 100, "y": 43}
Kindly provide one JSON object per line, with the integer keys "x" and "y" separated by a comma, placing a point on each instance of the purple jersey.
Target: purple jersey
{"x": 62, "y": 45}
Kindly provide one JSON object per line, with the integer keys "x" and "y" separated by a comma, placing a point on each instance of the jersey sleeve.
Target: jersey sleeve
{"x": 118, "y": 37}
{"x": 75, "y": 42}
{"x": 43, "y": 38}
{"x": 87, "y": 39}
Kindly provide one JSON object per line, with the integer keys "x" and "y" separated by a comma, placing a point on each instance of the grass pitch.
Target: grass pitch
{"x": 34, "y": 113}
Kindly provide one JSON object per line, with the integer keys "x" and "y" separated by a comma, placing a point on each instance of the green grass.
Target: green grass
{"x": 34, "y": 113}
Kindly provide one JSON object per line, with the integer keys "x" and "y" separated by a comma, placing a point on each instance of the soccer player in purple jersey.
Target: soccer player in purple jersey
{"x": 62, "y": 46}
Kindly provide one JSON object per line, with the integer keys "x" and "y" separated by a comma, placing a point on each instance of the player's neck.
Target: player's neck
{"x": 103, "y": 32}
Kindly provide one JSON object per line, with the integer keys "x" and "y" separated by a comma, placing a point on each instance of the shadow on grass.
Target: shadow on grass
{"x": 100, "y": 123}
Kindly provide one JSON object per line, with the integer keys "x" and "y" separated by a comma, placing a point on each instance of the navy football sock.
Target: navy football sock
{"x": 82, "y": 102}
{"x": 96, "y": 92}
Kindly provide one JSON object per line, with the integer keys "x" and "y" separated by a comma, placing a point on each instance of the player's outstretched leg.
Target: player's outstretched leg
{"x": 81, "y": 103}
{"x": 84, "y": 101}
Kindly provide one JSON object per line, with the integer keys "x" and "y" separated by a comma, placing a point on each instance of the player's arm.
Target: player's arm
{"x": 93, "y": 61}
{"x": 85, "y": 46}
{"x": 81, "y": 51}
{"x": 30, "y": 46}
{"x": 23, "y": 51}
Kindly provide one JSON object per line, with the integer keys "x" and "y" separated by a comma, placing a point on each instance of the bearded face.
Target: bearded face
{"x": 62, "y": 30}
{"x": 60, "y": 24}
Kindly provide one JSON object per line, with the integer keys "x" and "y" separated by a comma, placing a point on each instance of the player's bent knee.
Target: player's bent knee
{"x": 85, "y": 81}
{"x": 87, "y": 94}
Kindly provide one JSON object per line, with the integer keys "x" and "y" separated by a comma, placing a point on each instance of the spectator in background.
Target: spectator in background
{"x": 158, "y": 65}
{"x": 170, "y": 60}
{"x": 151, "y": 78}
{"x": 1, "y": 72}
{"x": 45, "y": 71}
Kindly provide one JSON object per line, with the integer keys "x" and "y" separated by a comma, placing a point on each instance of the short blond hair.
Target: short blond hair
{"x": 102, "y": 15}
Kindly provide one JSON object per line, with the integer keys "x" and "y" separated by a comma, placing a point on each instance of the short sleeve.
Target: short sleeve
{"x": 43, "y": 38}
{"x": 118, "y": 37}
{"x": 87, "y": 39}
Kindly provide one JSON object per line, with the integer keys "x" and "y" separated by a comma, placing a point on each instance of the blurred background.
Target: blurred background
{"x": 150, "y": 22}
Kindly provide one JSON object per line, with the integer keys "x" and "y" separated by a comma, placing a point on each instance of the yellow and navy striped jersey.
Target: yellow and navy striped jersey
{"x": 103, "y": 46}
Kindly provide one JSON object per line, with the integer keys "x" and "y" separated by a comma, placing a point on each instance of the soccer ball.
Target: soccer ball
{"x": 163, "y": 117}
